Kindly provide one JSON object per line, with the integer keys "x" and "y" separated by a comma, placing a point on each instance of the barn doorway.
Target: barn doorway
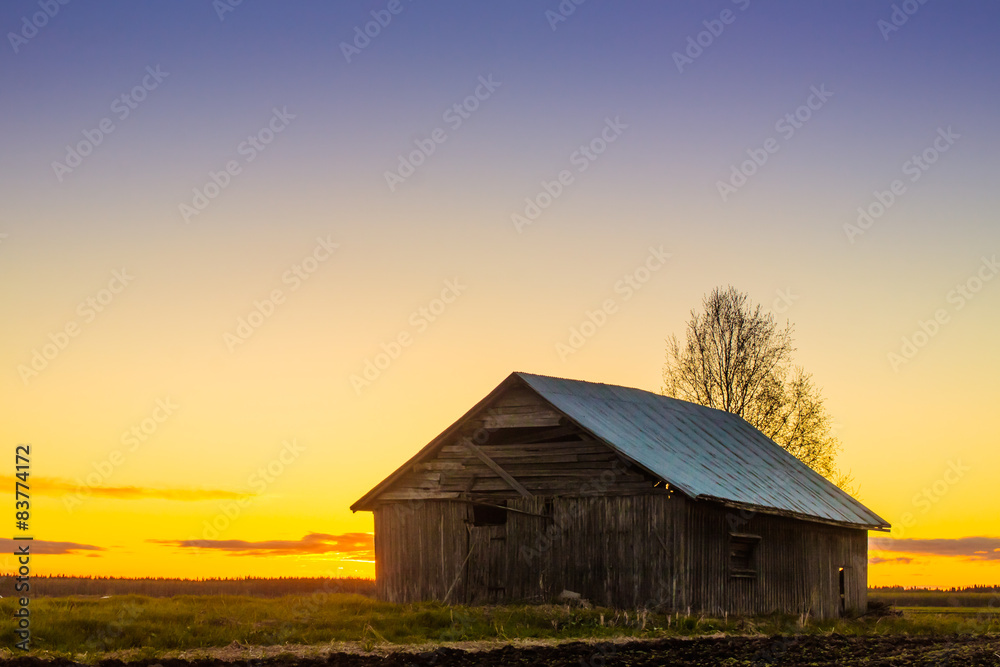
{"x": 486, "y": 570}
{"x": 843, "y": 592}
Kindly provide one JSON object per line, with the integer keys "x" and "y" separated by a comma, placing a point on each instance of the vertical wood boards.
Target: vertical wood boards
{"x": 649, "y": 550}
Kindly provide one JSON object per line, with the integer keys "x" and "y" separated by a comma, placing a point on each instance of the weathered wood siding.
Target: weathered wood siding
{"x": 620, "y": 551}
{"x": 797, "y": 562}
{"x": 531, "y": 442}
{"x": 418, "y": 549}
{"x": 623, "y": 551}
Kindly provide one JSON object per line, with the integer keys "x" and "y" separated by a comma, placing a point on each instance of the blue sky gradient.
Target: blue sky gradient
{"x": 887, "y": 95}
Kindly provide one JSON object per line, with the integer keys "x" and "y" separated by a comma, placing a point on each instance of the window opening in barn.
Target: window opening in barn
{"x": 743, "y": 555}
{"x": 489, "y": 515}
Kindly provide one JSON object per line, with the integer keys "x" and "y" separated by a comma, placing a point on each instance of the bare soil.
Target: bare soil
{"x": 815, "y": 651}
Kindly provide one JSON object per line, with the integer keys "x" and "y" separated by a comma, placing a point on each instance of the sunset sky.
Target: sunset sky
{"x": 218, "y": 217}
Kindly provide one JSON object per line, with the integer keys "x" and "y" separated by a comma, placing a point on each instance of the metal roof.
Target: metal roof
{"x": 703, "y": 452}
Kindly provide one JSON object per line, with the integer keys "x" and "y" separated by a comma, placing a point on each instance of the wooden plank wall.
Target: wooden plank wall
{"x": 798, "y": 564}
{"x": 620, "y": 551}
{"x": 623, "y": 551}
{"x": 650, "y": 550}
{"x": 419, "y": 548}
{"x": 510, "y": 433}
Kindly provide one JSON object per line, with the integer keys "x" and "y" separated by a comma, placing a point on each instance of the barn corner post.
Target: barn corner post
{"x": 624, "y": 497}
{"x": 855, "y": 583}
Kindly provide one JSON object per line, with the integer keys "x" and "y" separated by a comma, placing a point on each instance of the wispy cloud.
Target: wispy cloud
{"x": 46, "y": 547}
{"x": 351, "y": 545}
{"x": 55, "y": 486}
{"x": 970, "y": 548}
{"x": 876, "y": 560}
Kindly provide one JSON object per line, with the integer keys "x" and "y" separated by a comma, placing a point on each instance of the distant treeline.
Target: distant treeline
{"x": 918, "y": 589}
{"x": 61, "y": 586}
{"x": 983, "y": 597}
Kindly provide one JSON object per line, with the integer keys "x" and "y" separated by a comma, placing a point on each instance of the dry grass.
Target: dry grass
{"x": 147, "y": 627}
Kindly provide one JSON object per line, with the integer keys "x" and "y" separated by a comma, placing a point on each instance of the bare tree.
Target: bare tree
{"x": 736, "y": 358}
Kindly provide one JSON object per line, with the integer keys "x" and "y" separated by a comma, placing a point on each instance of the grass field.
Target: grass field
{"x": 78, "y": 625}
{"x": 93, "y": 616}
{"x": 937, "y": 599}
{"x": 959, "y": 611}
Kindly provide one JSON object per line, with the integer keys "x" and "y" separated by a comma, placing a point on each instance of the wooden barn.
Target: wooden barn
{"x": 626, "y": 497}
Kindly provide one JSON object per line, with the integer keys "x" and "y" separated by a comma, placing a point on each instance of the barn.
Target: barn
{"x": 629, "y": 498}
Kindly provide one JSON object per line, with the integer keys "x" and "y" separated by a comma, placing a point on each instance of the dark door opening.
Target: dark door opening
{"x": 843, "y": 593}
{"x": 486, "y": 568}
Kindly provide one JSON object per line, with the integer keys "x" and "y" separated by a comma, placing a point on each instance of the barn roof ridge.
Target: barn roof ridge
{"x": 707, "y": 453}
{"x": 683, "y": 404}
{"x": 704, "y": 452}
